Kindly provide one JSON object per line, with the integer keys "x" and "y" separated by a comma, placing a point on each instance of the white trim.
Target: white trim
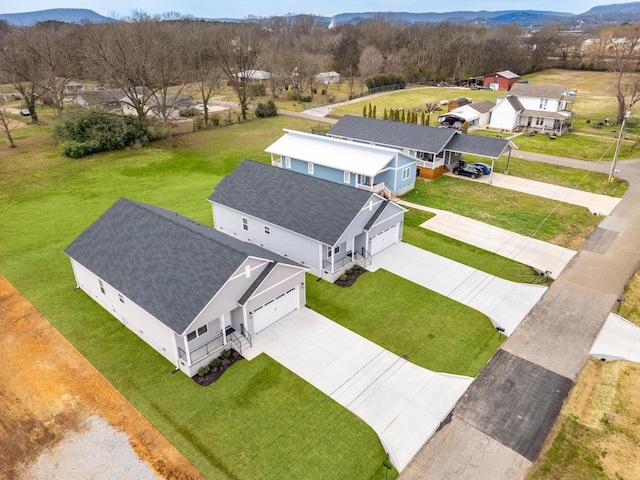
{"x": 310, "y": 168}
{"x": 346, "y": 177}
{"x": 275, "y": 285}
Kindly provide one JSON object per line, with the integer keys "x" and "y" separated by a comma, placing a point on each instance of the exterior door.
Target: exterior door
{"x": 275, "y": 309}
{"x": 384, "y": 239}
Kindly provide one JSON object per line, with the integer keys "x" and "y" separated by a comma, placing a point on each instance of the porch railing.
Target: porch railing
{"x": 371, "y": 188}
{"x": 202, "y": 351}
{"x": 438, "y": 162}
{"x": 363, "y": 260}
{"x": 277, "y": 162}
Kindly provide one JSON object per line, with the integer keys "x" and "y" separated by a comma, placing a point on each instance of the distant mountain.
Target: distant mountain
{"x": 633, "y": 7}
{"x": 67, "y": 15}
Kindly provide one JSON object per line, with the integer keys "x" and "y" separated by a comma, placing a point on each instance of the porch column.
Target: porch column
{"x": 186, "y": 350}
{"x": 224, "y": 330}
{"x": 353, "y": 248}
{"x": 493, "y": 161}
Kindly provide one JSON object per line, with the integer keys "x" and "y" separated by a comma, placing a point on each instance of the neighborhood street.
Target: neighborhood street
{"x": 500, "y": 425}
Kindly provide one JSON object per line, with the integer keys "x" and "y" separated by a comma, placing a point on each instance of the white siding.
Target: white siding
{"x": 503, "y": 116}
{"x": 135, "y": 318}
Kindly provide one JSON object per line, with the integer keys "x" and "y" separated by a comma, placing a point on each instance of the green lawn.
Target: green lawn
{"x": 465, "y": 253}
{"x": 260, "y": 420}
{"x": 556, "y": 175}
{"x": 433, "y": 331}
{"x": 555, "y": 222}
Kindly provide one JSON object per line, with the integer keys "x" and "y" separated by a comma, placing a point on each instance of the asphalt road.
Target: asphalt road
{"x": 499, "y": 427}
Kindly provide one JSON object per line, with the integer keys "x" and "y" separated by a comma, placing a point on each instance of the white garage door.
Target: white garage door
{"x": 384, "y": 239}
{"x": 274, "y": 310}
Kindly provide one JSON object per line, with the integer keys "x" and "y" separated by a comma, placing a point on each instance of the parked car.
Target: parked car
{"x": 486, "y": 168}
{"x": 468, "y": 170}
{"x": 25, "y": 112}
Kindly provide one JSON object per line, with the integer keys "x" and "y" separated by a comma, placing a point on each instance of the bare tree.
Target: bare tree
{"x": 618, "y": 49}
{"x": 371, "y": 61}
{"x": 5, "y": 122}
{"x": 203, "y": 64}
{"x": 238, "y": 48}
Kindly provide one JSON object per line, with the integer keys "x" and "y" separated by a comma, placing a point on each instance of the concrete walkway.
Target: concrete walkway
{"x": 402, "y": 402}
{"x": 505, "y": 303}
{"x": 496, "y": 431}
{"x": 596, "y": 203}
{"x": 619, "y": 339}
{"x": 542, "y": 256}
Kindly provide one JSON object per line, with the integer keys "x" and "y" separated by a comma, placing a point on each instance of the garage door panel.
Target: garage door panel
{"x": 384, "y": 239}
{"x": 275, "y": 309}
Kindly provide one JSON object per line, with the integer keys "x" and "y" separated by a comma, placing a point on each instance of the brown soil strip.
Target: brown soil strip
{"x": 48, "y": 388}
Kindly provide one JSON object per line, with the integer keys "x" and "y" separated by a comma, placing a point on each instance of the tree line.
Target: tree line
{"x": 146, "y": 56}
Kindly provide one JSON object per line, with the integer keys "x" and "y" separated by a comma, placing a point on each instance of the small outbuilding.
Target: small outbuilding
{"x": 501, "y": 80}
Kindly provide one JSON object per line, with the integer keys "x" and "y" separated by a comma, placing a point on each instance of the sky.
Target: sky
{"x": 264, "y": 8}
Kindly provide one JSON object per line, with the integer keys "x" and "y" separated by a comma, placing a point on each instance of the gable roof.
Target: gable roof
{"x": 505, "y": 73}
{"x": 540, "y": 91}
{"x": 393, "y": 134}
{"x": 483, "y": 106}
{"x": 310, "y": 206}
{"x": 333, "y": 153}
{"x": 166, "y": 263}
{"x": 513, "y": 101}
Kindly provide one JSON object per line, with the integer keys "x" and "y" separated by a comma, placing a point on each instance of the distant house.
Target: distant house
{"x": 377, "y": 169}
{"x": 108, "y": 100}
{"x": 542, "y": 108}
{"x": 185, "y": 289}
{"x": 158, "y": 106}
{"x": 459, "y": 102}
{"x": 433, "y": 148}
{"x": 476, "y": 114}
{"x": 254, "y": 76}
{"x": 322, "y": 225}
{"x": 73, "y": 86}
{"x": 501, "y": 80}
{"x": 328, "y": 78}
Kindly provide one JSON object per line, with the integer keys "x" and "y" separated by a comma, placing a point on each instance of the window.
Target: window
{"x": 543, "y": 103}
{"x": 197, "y": 333}
{"x": 191, "y": 336}
{"x": 121, "y": 298}
{"x": 287, "y": 162}
{"x": 101, "y": 286}
{"x": 406, "y": 172}
{"x": 333, "y": 252}
{"x": 267, "y": 230}
{"x": 245, "y": 223}
{"x": 310, "y": 168}
{"x": 539, "y": 121}
{"x": 347, "y": 177}
{"x": 202, "y": 330}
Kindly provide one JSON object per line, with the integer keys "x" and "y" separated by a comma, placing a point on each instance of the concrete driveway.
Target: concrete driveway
{"x": 543, "y": 256}
{"x": 619, "y": 339}
{"x": 505, "y": 303}
{"x": 403, "y": 403}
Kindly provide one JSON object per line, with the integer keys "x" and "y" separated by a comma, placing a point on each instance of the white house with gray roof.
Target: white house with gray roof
{"x": 433, "y": 148}
{"x": 184, "y": 288}
{"x": 377, "y": 169}
{"x": 540, "y": 108}
{"x": 322, "y": 225}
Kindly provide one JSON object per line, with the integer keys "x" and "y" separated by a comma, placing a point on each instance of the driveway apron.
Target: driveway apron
{"x": 403, "y": 403}
{"x": 506, "y": 303}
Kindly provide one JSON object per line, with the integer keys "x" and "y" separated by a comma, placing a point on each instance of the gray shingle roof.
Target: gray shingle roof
{"x": 515, "y": 103}
{"x": 316, "y": 208}
{"x": 476, "y": 145}
{"x": 483, "y": 106}
{"x": 392, "y": 134}
{"x": 538, "y": 91}
{"x": 166, "y": 263}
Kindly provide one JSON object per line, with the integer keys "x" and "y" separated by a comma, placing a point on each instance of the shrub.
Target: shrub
{"x": 267, "y": 109}
{"x": 383, "y": 79}
{"x": 349, "y": 271}
{"x": 306, "y": 98}
{"x": 202, "y": 371}
{"x": 226, "y": 353}
{"x": 256, "y": 90}
{"x": 344, "y": 277}
{"x": 189, "y": 112}
{"x": 215, "y": 362}
{"x": 82, "y": 131}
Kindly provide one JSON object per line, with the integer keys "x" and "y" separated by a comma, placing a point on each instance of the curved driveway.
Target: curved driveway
{"x": 499, "y": 426}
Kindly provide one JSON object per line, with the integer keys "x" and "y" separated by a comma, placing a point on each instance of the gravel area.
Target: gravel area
{"x": 97, "y": 452}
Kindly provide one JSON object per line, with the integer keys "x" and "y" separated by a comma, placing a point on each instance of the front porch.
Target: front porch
{"x": 430, "y": 168}
{"x": 332, "y": 269}
{"x": 192, "y": 359}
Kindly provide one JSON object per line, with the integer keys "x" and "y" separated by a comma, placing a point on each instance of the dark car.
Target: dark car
{"x": 468, "y": 170}
{"x": 486, "y": 168}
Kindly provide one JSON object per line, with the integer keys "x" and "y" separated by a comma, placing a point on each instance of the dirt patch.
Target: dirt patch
{"x": 47, "y": 389}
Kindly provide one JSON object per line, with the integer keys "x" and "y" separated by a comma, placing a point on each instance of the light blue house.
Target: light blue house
{"x": 322, "y": 225}
{"x": 381, "y": 170}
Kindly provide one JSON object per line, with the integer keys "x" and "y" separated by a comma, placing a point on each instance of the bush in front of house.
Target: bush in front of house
{"x": 189, "y": 112}
{"x": 82, "y": 131}
{"x": 202, "y": 371}
{"x": 267, "y": 109}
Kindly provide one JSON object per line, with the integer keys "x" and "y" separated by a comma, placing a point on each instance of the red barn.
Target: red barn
{"x": 501, "y": 80}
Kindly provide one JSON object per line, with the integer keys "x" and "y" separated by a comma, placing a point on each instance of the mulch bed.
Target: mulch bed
{"x": 351, "y": 278}
{"x": 216, "y": 372}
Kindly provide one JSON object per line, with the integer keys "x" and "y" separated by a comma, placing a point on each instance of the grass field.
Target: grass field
{"x": 559, "y": 223}
{"x": 260, "y": 420}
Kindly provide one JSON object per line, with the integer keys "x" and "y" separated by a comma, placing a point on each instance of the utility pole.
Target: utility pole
{"x": 627, "y": 114}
